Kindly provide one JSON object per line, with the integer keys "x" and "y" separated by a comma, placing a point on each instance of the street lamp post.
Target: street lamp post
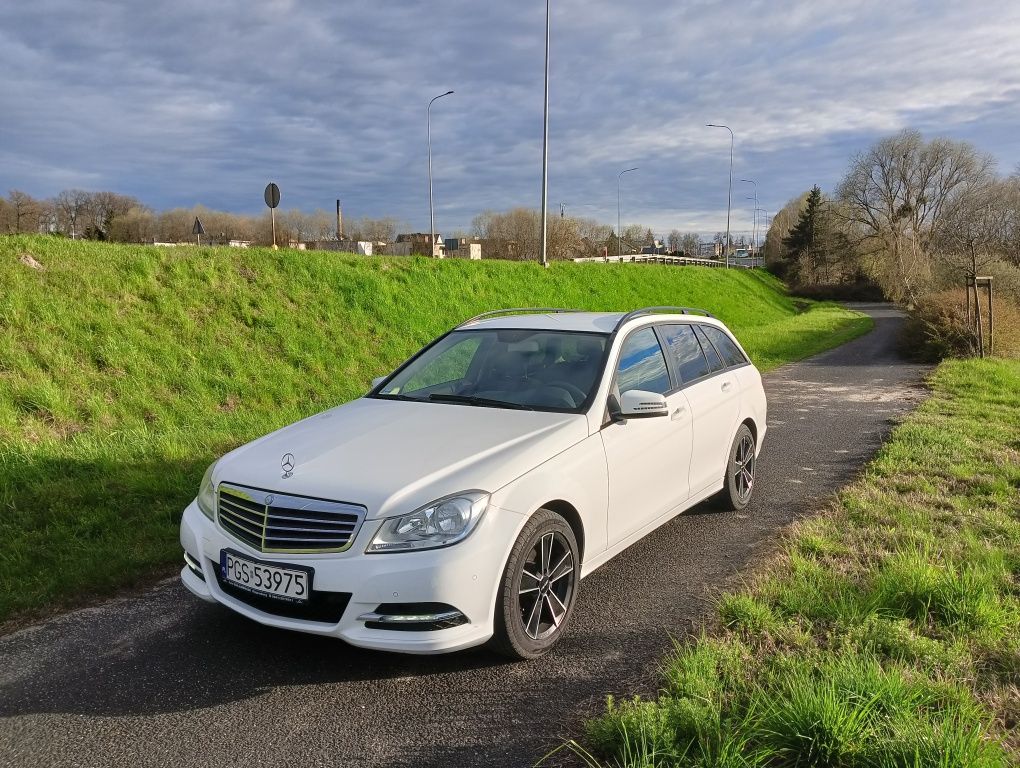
{"x": 432, "y": 216}
{"x": 729, "y": 193}
{"x": 619, "y": 251}
{"x": 754, "y": 225}
{"x": 765, "y": 223}
{"x": 545, "y": 148}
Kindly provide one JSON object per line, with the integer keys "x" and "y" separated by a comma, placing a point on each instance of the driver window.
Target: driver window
{"x": 642, "y": 365}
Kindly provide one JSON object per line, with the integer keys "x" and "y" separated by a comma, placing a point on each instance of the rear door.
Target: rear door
{"x": 713, "y": 392}
{"x": 647, "y": 458}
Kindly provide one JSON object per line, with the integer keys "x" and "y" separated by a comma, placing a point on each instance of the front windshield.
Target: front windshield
{"x": 508, "y": 368}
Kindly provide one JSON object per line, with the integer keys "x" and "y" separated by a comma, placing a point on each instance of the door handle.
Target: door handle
{"x": 677, "y": 414}
{"x": 727, "y": 385}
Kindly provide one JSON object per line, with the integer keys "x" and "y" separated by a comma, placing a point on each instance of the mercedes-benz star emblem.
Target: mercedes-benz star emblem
{"x": 287, "y": 463}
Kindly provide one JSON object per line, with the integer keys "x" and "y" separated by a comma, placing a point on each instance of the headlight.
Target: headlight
{"x": 207, "y": 494}
{"x": 440, "y": 524}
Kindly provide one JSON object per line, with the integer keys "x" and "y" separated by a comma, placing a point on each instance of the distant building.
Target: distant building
{"x": 463, "y": 248}
{"x": 418, "y": 244}
{"x": 364, "y": 247}
{"x": 239, "y": 243}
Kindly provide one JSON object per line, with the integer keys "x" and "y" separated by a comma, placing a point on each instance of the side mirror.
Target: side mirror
{"x": 636, "y": 404}
{"x": 377, "y": 381}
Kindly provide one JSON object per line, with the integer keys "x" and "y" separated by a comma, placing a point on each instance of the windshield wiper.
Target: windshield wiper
{"x": 484, "y": 402}
{"x": 400, "y": 397}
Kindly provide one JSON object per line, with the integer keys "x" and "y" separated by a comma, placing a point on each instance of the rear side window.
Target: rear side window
{"x": 721, "y": 341}
{"x": 686, "y": 350}
{"x": 713, "y": 357}
{"x": 642, "y": 365}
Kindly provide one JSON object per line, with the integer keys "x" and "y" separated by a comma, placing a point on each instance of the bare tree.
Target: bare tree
{"x": 673, "y": 240}
{"x": 974, "y": 232}
{"x": 895, "y": 195}
{"x": 136, "y": 225}
{"x": 382, "y": 230}
{"x": 70, "y": 205}
{"x": 24, "y": 209}
{"x": 100, "y": 210}
{"x": 595, "y": 238}
{"x": 690, "y": 244}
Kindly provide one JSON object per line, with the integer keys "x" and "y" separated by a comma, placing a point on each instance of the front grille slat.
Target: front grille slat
{"x": 255, "y": 531}
{"x": 288, "y": 524}
{"x": 255, "y": 518}
{"x": 305, "y": 529}
{"x": 344, "y": 519}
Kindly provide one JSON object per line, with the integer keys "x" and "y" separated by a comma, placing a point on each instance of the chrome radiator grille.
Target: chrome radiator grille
{"x": 277, "y": 522}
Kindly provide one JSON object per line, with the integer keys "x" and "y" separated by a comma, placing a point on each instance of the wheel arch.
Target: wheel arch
{"x": 568, "y": 512}
{"x": 751, "y": 425}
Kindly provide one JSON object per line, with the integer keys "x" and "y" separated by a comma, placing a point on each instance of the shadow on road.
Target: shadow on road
{"x": 210, "y": 656}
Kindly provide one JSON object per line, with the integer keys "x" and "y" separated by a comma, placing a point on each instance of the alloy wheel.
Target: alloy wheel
{"x": 546, "y": 586}
{"x": 743, "y": 470}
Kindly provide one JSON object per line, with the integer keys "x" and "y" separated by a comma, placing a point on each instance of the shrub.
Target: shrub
{"x": 938, "y": 327}
{"x": 861, "y": 290}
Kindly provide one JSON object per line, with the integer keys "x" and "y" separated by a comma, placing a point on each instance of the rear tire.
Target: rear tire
{"x": 738, "y": 484}
{"x": 539, "y": 588}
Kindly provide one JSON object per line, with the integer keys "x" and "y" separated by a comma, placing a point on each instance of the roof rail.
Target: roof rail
{"x": 661, "y": 310}
{"x": 516, "y": 311}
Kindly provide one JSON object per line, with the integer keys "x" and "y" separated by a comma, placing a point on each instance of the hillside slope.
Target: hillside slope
{"x": 125, "y": 369}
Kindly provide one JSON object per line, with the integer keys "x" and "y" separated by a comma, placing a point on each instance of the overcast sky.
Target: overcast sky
{"x": 193, "y": 101}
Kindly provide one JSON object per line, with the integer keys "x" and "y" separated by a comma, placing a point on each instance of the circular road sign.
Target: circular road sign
{"x": 272, "y": 195}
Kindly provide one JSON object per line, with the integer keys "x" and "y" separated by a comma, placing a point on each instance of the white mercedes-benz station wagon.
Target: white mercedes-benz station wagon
{"x": 462, "y": 500}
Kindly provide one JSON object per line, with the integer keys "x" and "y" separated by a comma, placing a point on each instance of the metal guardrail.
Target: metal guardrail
{"x": 651, "y": 258}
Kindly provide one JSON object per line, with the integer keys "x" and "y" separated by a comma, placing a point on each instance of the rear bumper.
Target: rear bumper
{"x": 465, "y": 576}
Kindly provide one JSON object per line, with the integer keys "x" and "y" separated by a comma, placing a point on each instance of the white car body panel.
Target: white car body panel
{"x": 617, "y": 481}
{"x": 395, "y": 456}
{"x": 651, "y": 449}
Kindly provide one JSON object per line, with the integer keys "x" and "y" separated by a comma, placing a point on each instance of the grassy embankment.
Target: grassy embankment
{"x": 125, "y": 370}
{"x": 886, "y": 633}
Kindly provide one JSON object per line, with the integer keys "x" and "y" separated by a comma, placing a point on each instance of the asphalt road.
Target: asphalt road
{"x": 163, "y": 679}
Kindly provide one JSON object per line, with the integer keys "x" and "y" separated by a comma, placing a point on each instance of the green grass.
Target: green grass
{"x": 125, "y": 370}
{"x": 886, "y": 632}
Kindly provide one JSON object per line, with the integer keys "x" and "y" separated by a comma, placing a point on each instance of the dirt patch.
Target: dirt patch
{"x": 30, "y": 261}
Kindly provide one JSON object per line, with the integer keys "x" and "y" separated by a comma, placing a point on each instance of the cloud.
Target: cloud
{"x": 194, "y": 102}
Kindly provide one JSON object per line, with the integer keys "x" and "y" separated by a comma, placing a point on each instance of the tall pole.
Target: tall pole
{"x": 763, "y": 227}
{"x": 729, "y": 193}
{"x": 754, "y": 225}
{"x": 432, "y": 216}
{"x": 545, "y": 148}
{"x": 619, "y": 252}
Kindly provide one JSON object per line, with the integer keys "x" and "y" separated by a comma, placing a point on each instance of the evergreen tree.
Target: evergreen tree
{"x": 801, "y": 245}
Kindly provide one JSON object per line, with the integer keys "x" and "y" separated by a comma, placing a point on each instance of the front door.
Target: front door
{"x": 648, "y": 459}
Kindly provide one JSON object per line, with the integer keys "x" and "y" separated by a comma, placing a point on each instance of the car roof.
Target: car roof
{"x": 589, "y": 322}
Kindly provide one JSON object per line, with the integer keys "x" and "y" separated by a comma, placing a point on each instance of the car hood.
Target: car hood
{"x": 394, "y": 456}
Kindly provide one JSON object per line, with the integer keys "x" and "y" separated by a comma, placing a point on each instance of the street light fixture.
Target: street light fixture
{"x": 754, "y": 225}
{"x": 432, "y": 216}
{"x": 619, "y": 252}
{"x": 729, "y": 192}
{"x": 545, "y": 148}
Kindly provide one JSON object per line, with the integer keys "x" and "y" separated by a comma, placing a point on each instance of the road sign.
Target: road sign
{"x": 198, "y": 229}
{"x": 272, "y": 195}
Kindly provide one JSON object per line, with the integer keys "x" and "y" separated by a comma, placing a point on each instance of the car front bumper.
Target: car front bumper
{"x": 465, "y": 576}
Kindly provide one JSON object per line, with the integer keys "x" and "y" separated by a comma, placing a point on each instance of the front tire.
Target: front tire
{"x": 539, "y": 588}
{"x": 738, "y": 485}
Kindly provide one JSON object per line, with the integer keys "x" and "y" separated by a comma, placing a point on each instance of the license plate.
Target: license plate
{"x": 284, "y": 582}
